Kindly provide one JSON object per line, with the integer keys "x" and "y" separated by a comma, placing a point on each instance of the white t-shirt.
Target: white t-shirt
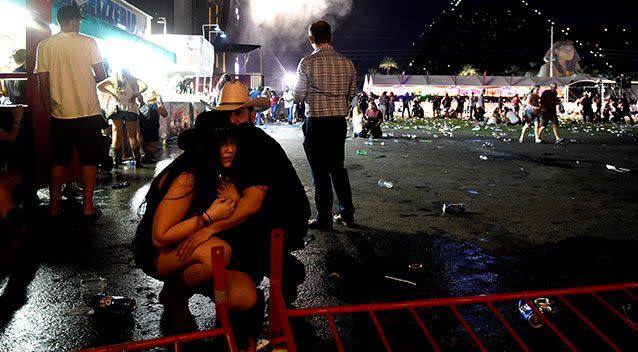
{"x": 289, "y": 99}
{"x": 68, "y": 58}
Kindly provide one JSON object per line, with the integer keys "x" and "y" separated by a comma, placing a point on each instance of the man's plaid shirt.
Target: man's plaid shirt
{"x": 327, "y": 83}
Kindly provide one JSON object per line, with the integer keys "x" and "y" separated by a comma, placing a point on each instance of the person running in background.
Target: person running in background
{"x": 549, "y": 102}
{"x": 531, "y": 113}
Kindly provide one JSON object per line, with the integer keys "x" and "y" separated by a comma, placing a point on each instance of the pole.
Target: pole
{"x": 551, "y": 51}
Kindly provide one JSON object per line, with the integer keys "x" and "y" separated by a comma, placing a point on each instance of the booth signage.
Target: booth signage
{"x": 116, "y": 12}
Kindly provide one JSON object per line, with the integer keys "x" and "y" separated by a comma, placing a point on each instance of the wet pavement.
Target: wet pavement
{"x": 537, "y": 217}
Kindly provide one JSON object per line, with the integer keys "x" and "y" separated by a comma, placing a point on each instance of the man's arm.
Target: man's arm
{"x": 100, "y": 75}
{"x": 301, "y": 89}
{"x": 247, "y": 206}
{"x": 45, "y": 92}
{"x": 353, "y": 84}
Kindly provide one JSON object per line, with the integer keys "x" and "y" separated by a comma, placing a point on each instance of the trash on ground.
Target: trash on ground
{"x": 385, "y": 183}
{"x": 454, "y": 208}
{"x": 483, "y": 157}
{"x": 426, "y": 141}
{"x": 400, "y": 280}
{"x": 122, "y": 184}
{"x": 473, "y": 191}
{"x": 362, "y": 152}
{"x": 544, "y": 305}
{"x": 335, "y": 275}
{"x": 617, "y": 169}
{"x": 415, "y": 266}
{"x": 104, "y": 303}
{"x": 488, "y": 145}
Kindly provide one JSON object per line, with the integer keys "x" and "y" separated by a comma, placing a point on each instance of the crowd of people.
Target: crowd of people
{"x": 216, "y": 193}
{"x": 369, "y": 111}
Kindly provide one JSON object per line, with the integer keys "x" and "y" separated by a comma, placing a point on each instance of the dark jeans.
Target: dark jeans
{"x": 324, "y": 144}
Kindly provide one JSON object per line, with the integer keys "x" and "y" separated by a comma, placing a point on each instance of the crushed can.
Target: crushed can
{"x": 544, "y": 305}
{"x": 454, "y": 208}
{"x": 104, "y": 303}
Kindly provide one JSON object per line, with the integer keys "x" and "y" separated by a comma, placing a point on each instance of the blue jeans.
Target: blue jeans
{"x": 274, "y": 113}
{"x": 289, "y": 114}
{"x": 258, "y": 119}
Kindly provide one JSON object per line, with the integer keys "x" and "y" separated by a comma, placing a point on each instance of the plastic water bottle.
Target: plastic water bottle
{"x": 529, "y": 315}
{"x": 385, "y": 183}
{"x": 104, "y": 303}
{"x": 454, "y": 208}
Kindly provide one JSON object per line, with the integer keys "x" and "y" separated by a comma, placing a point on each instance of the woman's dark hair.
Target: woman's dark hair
{"x": 203, "y": 161}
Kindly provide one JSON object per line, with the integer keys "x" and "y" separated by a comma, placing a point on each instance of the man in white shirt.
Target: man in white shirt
{"x": 69, "y": 65}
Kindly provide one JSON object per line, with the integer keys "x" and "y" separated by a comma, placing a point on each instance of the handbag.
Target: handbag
{"x": 145, "y": 111}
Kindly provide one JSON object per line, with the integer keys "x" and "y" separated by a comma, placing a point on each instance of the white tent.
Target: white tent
{"x": 505, "y": 86}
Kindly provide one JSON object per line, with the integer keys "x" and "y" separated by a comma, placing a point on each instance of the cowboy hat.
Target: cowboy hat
{"x": 234, "y": 96}
{"x": 206, "y": 124}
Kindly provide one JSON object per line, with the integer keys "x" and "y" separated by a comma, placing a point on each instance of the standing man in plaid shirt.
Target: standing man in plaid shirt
{"x": 326, "y": 85}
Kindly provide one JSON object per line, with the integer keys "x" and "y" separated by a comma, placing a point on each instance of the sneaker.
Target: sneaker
{"x": 319, "y": 225}
{"x": 560, "y": 140}
{"x": 540, "y": 141}
{"x": 341, "y": 220}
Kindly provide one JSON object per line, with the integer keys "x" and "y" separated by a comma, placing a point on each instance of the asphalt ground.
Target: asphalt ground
{"x": 538, "y": 216}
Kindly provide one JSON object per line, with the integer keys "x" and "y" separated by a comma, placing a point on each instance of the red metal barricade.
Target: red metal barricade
{"x": 221, "y": 310}
{"x": 283, "y": 338}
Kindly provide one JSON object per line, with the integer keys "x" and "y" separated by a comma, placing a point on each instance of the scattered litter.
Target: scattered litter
{"x": 382, "y": 143}
{"x": 362, "y": 152}
{"x": 617, "y": 169}
{"x": 426, "y": 141}
{"x": 488, "y": 145}
{"x": 454, "y": 208}
{"x": 122, "y": 184}
{"x": 544, "y": 305}
{"x": 415, "y": 266}
{"x": 483, "y": 157}
{"x": 335, "y": 275}
{"x": 483, "y": 239}
{"x": 385, "y": 183}
{"x": 400, "y": 280}
{"x": 473, "y": 191}
{"x": 476, "y": 128}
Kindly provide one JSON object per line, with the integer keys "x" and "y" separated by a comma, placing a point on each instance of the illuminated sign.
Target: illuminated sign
{"x": 117, "y": 13}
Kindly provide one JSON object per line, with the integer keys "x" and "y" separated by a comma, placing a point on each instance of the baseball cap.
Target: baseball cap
{"x": 68, "y": 12}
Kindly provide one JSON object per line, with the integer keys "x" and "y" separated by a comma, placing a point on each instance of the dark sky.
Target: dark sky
{"x": 491, "y": 35}
{"x": 377, "y": 29}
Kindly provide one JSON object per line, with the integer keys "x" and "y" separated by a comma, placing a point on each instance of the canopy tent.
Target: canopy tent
{"x": 505, "y": 86}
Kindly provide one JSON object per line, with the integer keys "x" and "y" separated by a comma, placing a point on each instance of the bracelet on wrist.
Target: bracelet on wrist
{"x": 207, "y": 217}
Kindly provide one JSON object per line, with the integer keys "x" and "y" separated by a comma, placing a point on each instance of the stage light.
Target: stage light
{"x": 290, "y": 79}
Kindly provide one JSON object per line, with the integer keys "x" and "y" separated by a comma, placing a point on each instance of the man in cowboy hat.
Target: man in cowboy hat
{"x": 281, "y": 202}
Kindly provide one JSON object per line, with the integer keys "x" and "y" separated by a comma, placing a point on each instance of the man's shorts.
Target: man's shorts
{"x": 82, "y": 134}
{"x": 548, "y": 116}
{"x": 530, "y": 116}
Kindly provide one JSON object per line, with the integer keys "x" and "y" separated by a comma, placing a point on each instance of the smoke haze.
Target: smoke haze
{"x": 281, "y": 28}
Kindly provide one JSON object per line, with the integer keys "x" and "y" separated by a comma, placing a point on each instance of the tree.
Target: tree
{"x": 372, "y": 71}
{"x": 388, "y": 64}
{"x": 468, "y": 70}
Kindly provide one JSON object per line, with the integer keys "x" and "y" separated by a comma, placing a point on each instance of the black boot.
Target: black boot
{"x": 176, "y": 318}
{"x": 117, "y": 157}
{"x": 138, "y": 157}
{"x": 248, "y": 324}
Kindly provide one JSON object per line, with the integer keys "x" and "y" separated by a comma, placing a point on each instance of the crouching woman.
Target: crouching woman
{"x": 173, "y": 240}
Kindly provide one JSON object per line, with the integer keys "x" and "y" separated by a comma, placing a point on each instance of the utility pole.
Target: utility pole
{"x": 551, "y": 51}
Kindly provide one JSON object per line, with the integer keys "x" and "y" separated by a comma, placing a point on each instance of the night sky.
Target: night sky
{"x": 495, "y": 36}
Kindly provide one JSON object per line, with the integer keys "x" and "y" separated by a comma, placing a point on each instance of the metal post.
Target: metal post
{"x": 551, "y": 51}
